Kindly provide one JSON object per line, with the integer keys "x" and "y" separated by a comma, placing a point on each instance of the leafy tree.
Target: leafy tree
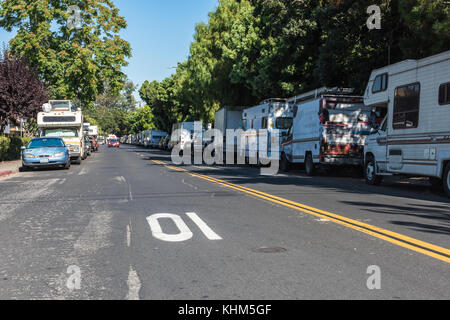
{"x": 141, "y": 120}
{"x": 22, "y": 94}
{"x": 75, "y": 63}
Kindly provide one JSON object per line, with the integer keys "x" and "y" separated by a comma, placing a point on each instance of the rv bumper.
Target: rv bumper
{"x": 342, "y": 161}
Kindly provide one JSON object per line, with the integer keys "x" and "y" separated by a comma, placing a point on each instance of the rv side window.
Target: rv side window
{"x": 444, "y": 94}
{"x": 406, "y": 106}
{"x": 244, "y": 124}
{"x": 380, "y": 83}
{"x": 264, "y": 122}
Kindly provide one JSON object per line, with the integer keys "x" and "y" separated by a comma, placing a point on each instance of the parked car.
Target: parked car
{"x": 94, "y": 144}
{"x": 113, "y": 143}
{"x": 45, "y": 152}
{"x": 87, "y": 146}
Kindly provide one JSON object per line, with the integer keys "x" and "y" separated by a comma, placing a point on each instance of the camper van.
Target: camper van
{"x": 329, "y": 128}
{"x": 414, "y": 138}
{"x": 183, "y": 134}
{"x": 58, "y": 120}
{"x": 153, "y": 137}
{"x": 259, "y": 123}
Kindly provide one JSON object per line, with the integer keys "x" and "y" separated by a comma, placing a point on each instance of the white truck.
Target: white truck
{"x": 414, "y": 138}
{"x": 259, "y": 123}
{"x": 329, "y": 128}
{"x": 229, "y": 118}
{"x": 58, "y": 120}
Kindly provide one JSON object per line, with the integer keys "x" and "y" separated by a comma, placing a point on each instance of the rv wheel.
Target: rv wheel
{"x": 371, "y": 173}
{"x": 309, "y": 165}
{"x": 447, "y": 180}
{"x": 284, "y": 163}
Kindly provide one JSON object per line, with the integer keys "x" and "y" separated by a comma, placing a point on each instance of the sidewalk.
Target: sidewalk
{"x": 9, "y": 167}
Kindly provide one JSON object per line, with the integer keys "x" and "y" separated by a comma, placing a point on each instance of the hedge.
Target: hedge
{"x": 10, "y": 147}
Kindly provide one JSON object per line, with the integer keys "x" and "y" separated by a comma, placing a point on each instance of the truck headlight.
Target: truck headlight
{"x": 76, "y": 148}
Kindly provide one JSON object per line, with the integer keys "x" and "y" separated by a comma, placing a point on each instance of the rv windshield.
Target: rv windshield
{"x": 61, "y": 133}
{"x": 284, "y": 123}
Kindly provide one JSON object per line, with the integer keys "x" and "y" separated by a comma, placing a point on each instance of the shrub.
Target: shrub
{"x": 14, "y": 149}
{"x": 4, "y": 146}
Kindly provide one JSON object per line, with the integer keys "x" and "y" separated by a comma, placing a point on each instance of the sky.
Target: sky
{"x": 160, "y": 33}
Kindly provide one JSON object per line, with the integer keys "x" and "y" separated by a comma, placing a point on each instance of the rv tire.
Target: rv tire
{"x": 446, "y": 180}
{"x": 309, "y": 165}
{"x": 285, "y": 165}
{"x": 370, "y": 173}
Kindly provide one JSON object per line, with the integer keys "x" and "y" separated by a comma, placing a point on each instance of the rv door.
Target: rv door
{"x": 380, "y": 150}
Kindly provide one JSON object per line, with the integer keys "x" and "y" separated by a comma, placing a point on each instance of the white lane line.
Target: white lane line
{"x": 120, "y": 179}
{"x": 128, "y": 236}
{"x": 83, "y": 171}
{"x": 130, "y": 193}
{"x": 134, "y": 285}
{"x": 207, "y": 231}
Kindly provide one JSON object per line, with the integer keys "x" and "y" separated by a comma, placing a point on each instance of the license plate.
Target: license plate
{"x": 44, "y": 160}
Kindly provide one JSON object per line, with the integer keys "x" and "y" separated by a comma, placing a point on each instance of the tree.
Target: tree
{"x": 141, "y": 120}
{"x": 22, "y": 94}
{"x": 74, "y": 63}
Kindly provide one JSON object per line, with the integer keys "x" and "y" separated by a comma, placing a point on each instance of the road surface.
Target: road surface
{"x": 126, "y": 224}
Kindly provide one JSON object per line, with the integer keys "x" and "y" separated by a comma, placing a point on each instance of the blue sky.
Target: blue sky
{"x": 160, "y": 33}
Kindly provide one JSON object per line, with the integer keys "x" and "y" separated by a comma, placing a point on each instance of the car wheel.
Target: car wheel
{"x": 67, "y": 166}
{"x": 371, "y": 173}
{"x": 446, "y": 180}
{"x": 309, "y": 165}
{"x": 23, "y": 169}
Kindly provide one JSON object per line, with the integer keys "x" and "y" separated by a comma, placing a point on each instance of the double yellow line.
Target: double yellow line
{"x": 428, "y": 249}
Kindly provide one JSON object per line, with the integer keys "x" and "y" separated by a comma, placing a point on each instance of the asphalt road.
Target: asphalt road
{"x": 128, "y": 225}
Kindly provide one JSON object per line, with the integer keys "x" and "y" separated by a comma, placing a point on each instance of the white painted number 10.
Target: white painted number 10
{"x": 184, "y": 232}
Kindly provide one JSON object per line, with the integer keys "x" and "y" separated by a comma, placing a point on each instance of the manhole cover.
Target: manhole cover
{"x": 269, "y": 250}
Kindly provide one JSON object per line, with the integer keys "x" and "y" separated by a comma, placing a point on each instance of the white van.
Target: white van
{"x": 259, "y": 123}
{"x": 329, "y": 128}
{"x": 414, "y": 138}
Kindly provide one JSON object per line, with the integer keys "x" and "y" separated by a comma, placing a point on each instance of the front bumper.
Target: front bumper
{"x": 51, "y": 162}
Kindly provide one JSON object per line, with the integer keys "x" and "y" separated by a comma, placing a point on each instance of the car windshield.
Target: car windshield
{"x": 61, "y": 133}
{"x": 113, "y": 141}
{"x": 46, "y": 143}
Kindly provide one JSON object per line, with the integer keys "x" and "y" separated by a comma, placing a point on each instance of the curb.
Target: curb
{"x": 5, "y": 173}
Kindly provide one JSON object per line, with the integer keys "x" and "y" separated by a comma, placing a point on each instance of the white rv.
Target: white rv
{"x": 414, "y": 138}
{"x": 58, "y": 120}
{"x": 183, "y": 134}
{"x": 329, "y": 128}
{"x": 259, "y": 123}
{"x": 153, "y": 137}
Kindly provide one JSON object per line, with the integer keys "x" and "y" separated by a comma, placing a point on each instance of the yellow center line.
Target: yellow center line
{"x": 428, "y": 249}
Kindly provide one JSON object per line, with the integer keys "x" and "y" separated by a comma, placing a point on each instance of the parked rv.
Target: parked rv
{"x": 183, "y": 134}
{"x": 229, "y": 118}
{"x": 59, "y": 121}
{"x": 153, "y": 137}
{"x": 270, "y": 115}
{"x": 414, "y": 138}
{"x": 329, "y": 128}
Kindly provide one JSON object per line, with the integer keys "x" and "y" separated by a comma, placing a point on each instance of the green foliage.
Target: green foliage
{"x": 251, "y": 50}
{"x": 4, "y": 146}
{"x": 10, "y": 148}
{"x": 74, "y": 63}
{"x": 141, "y": 120}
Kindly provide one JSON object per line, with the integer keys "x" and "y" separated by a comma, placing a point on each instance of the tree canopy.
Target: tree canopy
{"x": 74, "y": 61}
{"x": 250, "y": 50}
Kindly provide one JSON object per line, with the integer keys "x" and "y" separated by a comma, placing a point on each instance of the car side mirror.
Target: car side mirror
{"x": 23, "y": 148}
